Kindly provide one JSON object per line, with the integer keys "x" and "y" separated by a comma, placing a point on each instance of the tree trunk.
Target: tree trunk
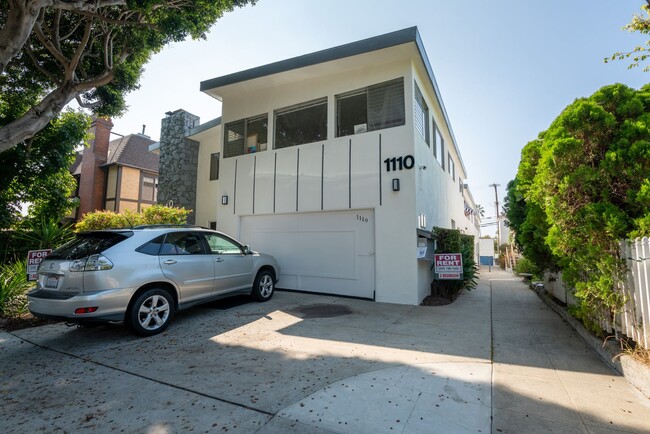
{"x": 15, "y": 32}
{"x": 36, "y": 118}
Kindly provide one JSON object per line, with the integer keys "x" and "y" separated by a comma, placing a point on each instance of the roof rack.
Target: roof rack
{"x": 166, "y": 226}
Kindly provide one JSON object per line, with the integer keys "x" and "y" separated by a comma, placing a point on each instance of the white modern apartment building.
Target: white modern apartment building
{"x": 338, "y": 163}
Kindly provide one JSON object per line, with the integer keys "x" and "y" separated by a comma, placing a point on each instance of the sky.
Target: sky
{"x": 505, "y": 68}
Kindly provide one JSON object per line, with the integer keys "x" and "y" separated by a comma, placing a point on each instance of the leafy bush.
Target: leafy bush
{"x": 44, "y": 234}
{"x": 526, "y": 266}
{"x": 452, "y": 241}
{"x": 13, "y": 288}
{"x": 155, "y": 214}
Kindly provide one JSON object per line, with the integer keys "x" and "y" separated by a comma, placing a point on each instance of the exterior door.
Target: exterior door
{"x": 233, "y": 269}
{"x": 185, "y": 261}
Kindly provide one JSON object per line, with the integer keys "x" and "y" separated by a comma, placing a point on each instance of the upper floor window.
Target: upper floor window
{"x": 421, "y": 114}
{"x": 304, "y": 123}
{"x": 451, "y": 166}
{"x": 438, "y": 146}
{"x": 372, "y": 108}
{"x": 245, "y": 136}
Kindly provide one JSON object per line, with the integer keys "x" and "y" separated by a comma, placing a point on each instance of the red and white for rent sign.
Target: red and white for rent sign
{"x": 448, "y": 265}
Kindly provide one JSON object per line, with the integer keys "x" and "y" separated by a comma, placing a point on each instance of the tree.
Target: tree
{"x": 586, "y": 186}
{"x": 89, "y": 50}
{"x": 640, "y": 23}
{"x": 38, "y": 173}
{"x": 480, "y": 210}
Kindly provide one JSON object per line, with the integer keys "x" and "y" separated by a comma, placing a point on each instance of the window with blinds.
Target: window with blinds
{"x": 371, "y": 108}
{"x": 214, "y": 166}
{"x": 245, "y": 136}
{"x": 438, "y": 146}
{"x": 421, "y": 114}
{"x": 451, "y": 167}
{"x": 304, "y": 123}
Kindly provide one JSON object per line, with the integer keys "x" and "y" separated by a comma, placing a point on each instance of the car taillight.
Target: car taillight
{"x": 91, "y": 263}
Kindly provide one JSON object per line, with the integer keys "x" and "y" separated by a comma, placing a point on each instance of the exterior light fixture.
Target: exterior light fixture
{"x": 224, "y": 199}
{"x": 395, "y": 184}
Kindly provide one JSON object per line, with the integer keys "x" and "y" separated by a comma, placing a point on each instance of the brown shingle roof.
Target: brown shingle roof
{"x": 133, "y": 151}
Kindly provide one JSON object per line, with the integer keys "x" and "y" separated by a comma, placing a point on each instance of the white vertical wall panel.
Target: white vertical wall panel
{"x": 264, "y": 177}
{"x": 365, "y": 170}
{"x": 336, "y": 172}
{"x": 244, "y": 190}
{"x": 286, "y": 180}
{"x": 309, "y": 178}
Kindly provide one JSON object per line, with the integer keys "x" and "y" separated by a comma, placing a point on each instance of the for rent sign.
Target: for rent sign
{"x": 448, "y": 266}
{"x": 34, "y": 258}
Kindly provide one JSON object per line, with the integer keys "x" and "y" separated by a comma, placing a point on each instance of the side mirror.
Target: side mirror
{"x": 247, "y": 250}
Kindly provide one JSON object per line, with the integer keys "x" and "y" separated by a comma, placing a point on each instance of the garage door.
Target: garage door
{"x": 326, "y": 252}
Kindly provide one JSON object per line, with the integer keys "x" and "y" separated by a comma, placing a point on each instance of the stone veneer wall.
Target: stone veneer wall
{"x": 179, "y": 158}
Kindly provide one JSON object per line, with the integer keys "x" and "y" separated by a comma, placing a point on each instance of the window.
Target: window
{"x": 438, "y": 146}
{"x": 220, "y": 245}
{"x": 372, "y": 108}
{"x": 245, "y": 136}
{"x": 149, "y": 188}
{"x": 460, "y": 185}
{"x": 212, "y": 225}
{"x": 214, "y": 166}
{"x": 421, "y": 114}
{"x": 453, "y": 224}
{"x": 305, "y": 123}
{"x": 451, "y": 166}
{"x": 183, "y": 243}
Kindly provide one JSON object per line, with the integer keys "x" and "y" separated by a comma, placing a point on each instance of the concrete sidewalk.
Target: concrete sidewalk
{"x": 496, "y": 360}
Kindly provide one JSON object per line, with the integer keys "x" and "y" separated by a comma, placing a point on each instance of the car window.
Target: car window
{"x": 152, "y": 247}
{"x": 183, "y": 243}
{"x": 221, "y": 245}
{"x": 89, "y": 243}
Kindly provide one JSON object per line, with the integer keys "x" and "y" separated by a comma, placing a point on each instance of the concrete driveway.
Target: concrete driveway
{"x": 496, "y": 360}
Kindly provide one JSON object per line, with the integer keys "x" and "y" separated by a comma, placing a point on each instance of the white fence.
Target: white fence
{"x": 634, "y": 320}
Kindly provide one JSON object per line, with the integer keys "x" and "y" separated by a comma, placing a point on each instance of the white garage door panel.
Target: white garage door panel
{"x": 328, "y": 252}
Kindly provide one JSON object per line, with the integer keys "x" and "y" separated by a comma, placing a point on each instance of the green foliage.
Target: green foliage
{"x": 155, "y": 214}
{"x": 13, "y": 288}
{"x": 44, "y": 233}
{"x": 526, "y": 266}
{"x": 92, "y": 51}
{"x": 37, "y": 173}
{"x": 640, "y": 23}
{"x": 582, "y": 187}
{"x": 452, "y": 241}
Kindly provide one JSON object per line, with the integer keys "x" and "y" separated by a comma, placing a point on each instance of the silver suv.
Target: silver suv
{"x": 143, "y": 275}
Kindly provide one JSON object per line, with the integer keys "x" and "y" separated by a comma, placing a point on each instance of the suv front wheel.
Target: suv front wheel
{"x": 150, "y": 313}
{"x": 263, "y": 286}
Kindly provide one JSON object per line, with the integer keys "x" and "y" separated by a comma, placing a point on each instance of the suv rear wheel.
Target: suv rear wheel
{"x": 150, "y": 313}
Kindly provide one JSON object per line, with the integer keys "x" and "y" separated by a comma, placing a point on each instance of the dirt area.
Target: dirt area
{"x": 435, "y": 301}
{"x": 22, "y": 322}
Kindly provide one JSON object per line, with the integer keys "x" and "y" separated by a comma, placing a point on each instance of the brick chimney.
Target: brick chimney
{"x": 92, "y": 180}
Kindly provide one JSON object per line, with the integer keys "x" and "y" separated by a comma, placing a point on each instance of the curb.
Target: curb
{"x": 635, "y": 372}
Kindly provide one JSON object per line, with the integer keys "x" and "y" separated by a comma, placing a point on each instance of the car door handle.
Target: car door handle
{"x": 218, "y": 260}
{"x": 169, "y": 261}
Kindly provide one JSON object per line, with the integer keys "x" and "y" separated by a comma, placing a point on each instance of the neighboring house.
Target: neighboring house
{"x": 115, "y": 175}
{"x": 338, "y": 163}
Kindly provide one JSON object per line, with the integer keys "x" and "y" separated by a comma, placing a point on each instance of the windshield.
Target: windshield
{"x": 86, "y": 244}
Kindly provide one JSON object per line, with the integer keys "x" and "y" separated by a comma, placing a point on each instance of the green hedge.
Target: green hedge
{"x": 452, "y": 241}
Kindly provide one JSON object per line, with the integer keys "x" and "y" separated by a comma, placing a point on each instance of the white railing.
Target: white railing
{"x": 634, "y": 320}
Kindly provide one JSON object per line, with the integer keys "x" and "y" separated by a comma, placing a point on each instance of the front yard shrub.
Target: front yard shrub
{"x": 155, "y": 214}
{"x": 452, "y": 241}
{"x": 13, "y": 288}
{"x": 526, "y": 266}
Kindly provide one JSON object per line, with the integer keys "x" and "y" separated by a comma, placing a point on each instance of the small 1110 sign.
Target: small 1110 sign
{"x": 399, "y": 163}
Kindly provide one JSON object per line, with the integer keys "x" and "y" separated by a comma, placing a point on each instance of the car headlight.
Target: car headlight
{"x": 91, "y": 263}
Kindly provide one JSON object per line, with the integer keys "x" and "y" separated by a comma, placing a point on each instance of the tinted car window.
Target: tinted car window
{"x": 221, "y": 245}
{"x": 152, "y": 247}
{"x": 90, "y": 243}
{"x": 183, "y": 243}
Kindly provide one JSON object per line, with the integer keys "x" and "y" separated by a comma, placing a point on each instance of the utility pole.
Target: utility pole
{"x": 496, "y": 198}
